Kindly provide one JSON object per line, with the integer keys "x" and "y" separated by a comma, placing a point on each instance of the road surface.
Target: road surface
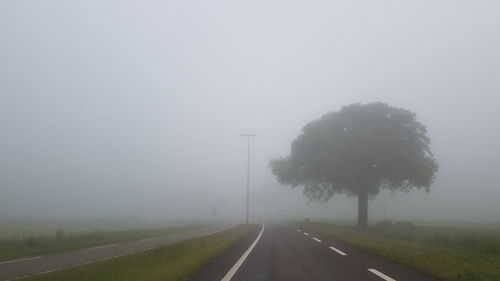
{"x": 283, "y": 253}
{"x": 14, "y": 269}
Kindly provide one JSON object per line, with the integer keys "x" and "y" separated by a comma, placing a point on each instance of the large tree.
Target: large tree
{"x": 359, "y": 150}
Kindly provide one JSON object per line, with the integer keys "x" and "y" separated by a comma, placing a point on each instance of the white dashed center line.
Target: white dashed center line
{"x": 380, "y": 274}
{"x": 316, "y": 239}
{"x": 338, "y": 251}
{"x": 306, "y": 233}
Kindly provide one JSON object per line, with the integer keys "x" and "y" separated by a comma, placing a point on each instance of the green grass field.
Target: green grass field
{"x": 20, "y": 246}
{"x": 448, "y": 253}
{"x": 12, "y": 227}
{"x": 173, "y": 262}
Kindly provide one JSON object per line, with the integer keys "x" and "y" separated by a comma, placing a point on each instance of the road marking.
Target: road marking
{"x": 299, "y": 230}
{"x": 100, "y": 247}
{"x": 338, "y": 251}
{"x": 306, "y": 233}
{"x": 237, "y": 265}
{"x": 380, "y": 274}
{"x": 316, "y": 239}
{"x": 147, "y": 239}
{"x": 213, "y": 232}
{"x": 26, "y": 259}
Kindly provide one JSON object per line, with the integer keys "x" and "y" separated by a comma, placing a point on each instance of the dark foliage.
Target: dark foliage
{"x": 358, "y": 151}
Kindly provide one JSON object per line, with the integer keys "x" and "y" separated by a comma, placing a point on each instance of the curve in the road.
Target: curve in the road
{"x": 242, "y": 259}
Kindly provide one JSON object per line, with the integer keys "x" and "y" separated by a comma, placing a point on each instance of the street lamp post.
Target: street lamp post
{"x": 248, "y": 169}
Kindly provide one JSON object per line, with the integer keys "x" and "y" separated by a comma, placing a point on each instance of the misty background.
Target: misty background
{"x": 134, "y": 109}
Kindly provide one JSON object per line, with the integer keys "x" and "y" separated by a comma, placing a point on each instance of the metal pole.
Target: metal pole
{"x": 248, "y": 174}
{"x": 248, "y": 177}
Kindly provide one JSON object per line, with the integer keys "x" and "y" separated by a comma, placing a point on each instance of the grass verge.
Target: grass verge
{"x": 26, "y": 246}
{"x": 446, "y": 253}
{"x": 173, "y": 262}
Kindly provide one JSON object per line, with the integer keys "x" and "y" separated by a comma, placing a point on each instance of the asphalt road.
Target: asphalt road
{"x": 14, "y": 269}
{"x": 284, "y": 253}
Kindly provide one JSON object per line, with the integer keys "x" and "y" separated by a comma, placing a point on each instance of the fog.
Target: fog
{"x": 134, "y": 109}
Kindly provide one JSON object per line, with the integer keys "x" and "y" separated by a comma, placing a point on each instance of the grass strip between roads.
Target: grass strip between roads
{"x": 22, "y": 247}
{"x": 446, "y": 253}
{"x": 178, "y": 261}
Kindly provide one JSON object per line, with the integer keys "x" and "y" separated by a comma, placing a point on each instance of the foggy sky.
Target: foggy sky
{"x": 134, "y": 108}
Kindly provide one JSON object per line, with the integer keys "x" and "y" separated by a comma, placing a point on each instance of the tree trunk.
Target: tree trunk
{"x": 362, "y": 209}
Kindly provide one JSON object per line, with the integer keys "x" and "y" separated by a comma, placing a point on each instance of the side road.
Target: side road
{"x": 14, "y": 269}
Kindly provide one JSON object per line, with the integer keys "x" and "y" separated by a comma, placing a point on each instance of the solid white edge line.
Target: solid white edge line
{"x": 26, "y": 259}
{"x": 380, "y": 274}
{"x": 316, "y": 239}
{"x": 99, "y": 247}
{"x": 306, "y": 233}
{"x": 338, "y": 251}
{"x": 240, "y": 261}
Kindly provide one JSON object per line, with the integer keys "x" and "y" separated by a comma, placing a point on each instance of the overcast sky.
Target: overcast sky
{"x": 134, "y": 108}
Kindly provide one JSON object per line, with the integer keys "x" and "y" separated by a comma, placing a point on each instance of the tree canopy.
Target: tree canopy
{"x": 359, "y": 150}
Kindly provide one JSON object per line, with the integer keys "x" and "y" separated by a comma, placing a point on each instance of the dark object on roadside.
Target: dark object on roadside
{"x": 384, "y": 224}
{"x": 307, "y": 220}
{"x": 59, "y": 235}
{"x": 404, "y": 226}
{"x": 30, "y": 241}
